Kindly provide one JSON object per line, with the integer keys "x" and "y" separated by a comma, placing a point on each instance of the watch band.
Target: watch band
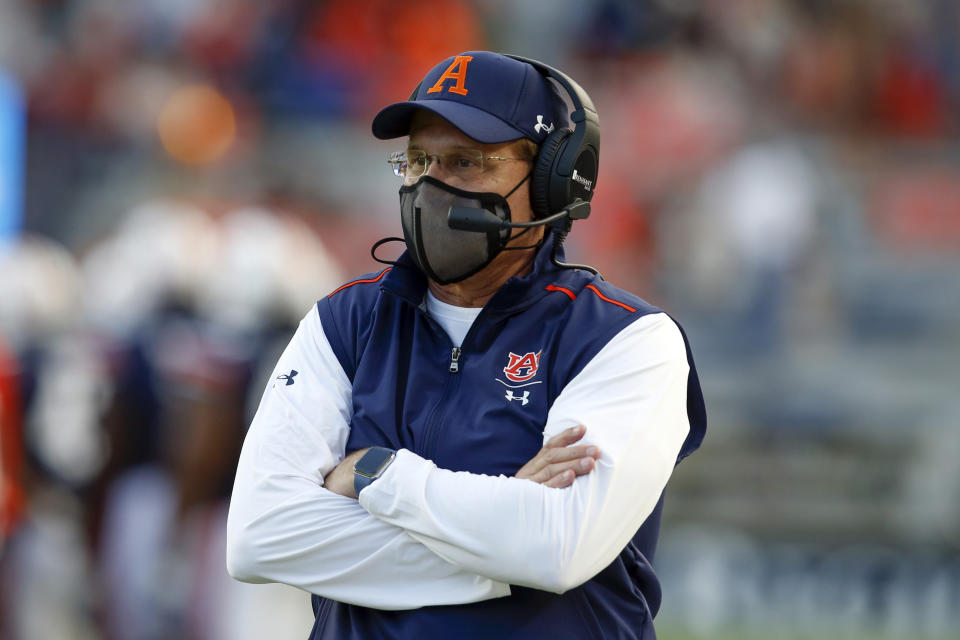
{"x": 371, "y": 466}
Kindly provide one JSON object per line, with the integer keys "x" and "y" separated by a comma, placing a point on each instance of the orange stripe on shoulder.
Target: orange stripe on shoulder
{"x": 364, "y": 281}
{"x": 606, "y": 299}
{"x": 553, "y": 287}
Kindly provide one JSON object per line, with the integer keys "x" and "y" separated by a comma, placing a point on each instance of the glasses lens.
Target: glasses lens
{"x": 398, "y": 162}
{"x": 416, "y": 163}
{"x": 466, "y": 163}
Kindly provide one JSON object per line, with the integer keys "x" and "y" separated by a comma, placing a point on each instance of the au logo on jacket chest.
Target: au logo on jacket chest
{"x": 522, "y": 368}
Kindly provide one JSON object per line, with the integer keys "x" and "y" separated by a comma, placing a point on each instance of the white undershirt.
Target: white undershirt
{"x": 456, "y": 321}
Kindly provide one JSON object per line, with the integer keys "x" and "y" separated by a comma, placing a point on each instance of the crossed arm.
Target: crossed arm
{"x": 421, "y": 535}
{"x": 556, "y": 464}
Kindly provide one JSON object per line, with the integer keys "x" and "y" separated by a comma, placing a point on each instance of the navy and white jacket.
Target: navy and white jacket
{"x": 447, "y": 543}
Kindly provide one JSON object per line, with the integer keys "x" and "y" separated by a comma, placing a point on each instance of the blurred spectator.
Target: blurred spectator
{"x": 49, "y": 586}
{"x": 162, "y": 544}
{"x": 45, "y": 566}
{"x": 11, "y": 446}
{"x": 157, "y": 256}
{"x": 250, "y": 268}
{"x": 752, "y": 226}
{"x": 39, "y": 290}
{"x": 160, "y": 528}
{"x": 266, "y": 270}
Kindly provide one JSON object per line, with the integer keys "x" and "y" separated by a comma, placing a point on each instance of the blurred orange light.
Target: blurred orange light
{"x": 197, "y": 125}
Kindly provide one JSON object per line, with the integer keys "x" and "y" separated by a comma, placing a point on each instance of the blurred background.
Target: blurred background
{"x": 181, "y": 179}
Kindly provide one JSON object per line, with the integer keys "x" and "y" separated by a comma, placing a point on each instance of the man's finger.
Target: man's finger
{"x": 566, "y": 437}
{"x": 580, "y": 466}
{"x": 561, "y": 481}
{"x": 562, "y": 454}
{"x": 548, "y": 461}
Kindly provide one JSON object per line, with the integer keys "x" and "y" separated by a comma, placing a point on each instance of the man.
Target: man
{"x": 509, "y": 422}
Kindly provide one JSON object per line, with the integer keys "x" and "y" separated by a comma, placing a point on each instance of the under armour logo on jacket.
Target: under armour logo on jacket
{"x": 524, "y": 399}
{"x": 547, "y": 128}
{"x": 288, "y": 376}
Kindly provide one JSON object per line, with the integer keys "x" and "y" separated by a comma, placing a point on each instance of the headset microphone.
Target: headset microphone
{"x": 484, "y": 221}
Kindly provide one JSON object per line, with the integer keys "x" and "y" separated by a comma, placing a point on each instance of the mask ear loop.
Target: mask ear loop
{"x": 376, "y": 245}
{"x": 525, "y": 178}
{"x": 532, "y": 246}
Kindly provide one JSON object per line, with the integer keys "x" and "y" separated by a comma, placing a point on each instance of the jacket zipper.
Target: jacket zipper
{"x": 453, "y": 382}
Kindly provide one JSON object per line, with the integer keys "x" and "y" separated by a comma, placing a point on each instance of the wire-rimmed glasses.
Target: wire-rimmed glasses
{"x": 463, "y": 163}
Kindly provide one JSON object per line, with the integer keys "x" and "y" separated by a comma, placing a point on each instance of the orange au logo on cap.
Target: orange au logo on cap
{"x": 456, "y": 71}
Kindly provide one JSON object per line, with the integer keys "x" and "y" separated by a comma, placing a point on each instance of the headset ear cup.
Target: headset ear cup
{"x": 543, "y": 173}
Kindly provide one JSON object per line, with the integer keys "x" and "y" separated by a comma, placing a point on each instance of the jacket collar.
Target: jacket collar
{"x": 406, "y": 281}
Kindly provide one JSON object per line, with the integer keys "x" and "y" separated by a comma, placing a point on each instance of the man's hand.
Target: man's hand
{"x": 557, "y": 464}
{"x": 340, "y": 480}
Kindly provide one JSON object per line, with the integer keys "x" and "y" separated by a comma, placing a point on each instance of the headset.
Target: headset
{"x": 565, "y": 173}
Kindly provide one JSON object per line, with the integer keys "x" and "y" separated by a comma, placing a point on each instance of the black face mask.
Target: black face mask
{"x": 443, "y": 254}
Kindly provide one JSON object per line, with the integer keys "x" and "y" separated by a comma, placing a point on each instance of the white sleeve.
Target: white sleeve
{"x": 632, "y": 400}
{"x": 284, "y": 526}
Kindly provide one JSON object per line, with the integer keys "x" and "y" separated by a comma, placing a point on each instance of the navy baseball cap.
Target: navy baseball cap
{"x": 488, "y": 96}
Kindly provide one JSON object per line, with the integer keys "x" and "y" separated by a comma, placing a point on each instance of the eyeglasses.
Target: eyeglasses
{"x": 463, "y": 163}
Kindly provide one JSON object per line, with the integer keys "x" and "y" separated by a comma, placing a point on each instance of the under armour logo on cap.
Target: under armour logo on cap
{"x": 546, "y": 128}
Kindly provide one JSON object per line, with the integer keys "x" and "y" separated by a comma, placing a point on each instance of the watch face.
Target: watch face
{"x": 374, "y": 461}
